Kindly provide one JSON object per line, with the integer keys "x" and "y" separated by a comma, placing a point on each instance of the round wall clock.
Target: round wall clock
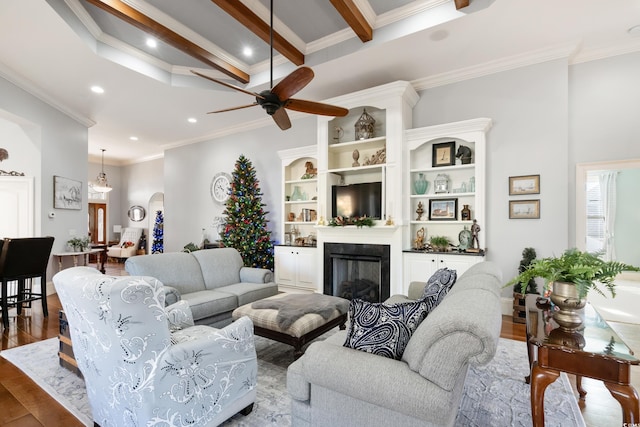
{"x": 220, "y": 187}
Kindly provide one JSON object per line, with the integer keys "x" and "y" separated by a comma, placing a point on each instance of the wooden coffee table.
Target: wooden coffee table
{"x": 302, "y": 331}
{"x": 594, "y": 351}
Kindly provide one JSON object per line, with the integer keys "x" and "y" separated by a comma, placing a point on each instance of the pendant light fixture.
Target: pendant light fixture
{"x": 101, "y": 185}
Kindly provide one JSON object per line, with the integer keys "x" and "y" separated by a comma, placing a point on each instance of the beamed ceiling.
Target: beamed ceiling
{"x": 57, "y": 49}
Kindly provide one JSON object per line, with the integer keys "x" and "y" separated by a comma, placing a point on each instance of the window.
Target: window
{"x": 595, "y": 214}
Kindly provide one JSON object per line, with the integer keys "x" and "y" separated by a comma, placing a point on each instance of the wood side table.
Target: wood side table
{"x": 593, "y": 351}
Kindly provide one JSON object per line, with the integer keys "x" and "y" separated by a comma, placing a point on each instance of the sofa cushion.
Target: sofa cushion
{"x": 220, "y": 267}
{"x": 383, "y": 329}
{"x": 179, "y": 270}
{"x": 438, "y": 286}
{"x": 250, "y": 292}
{"x": 205, "y": 303}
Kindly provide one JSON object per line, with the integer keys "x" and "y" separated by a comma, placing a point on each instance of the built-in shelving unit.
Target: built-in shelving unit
{"x": 466, "y": 187}
{"x": 299, "y": 194}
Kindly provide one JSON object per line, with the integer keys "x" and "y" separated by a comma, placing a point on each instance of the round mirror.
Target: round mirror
{"x": 136, "y": 213}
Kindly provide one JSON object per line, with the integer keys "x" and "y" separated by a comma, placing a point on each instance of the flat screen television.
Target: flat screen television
{"x": 357, "y": 200}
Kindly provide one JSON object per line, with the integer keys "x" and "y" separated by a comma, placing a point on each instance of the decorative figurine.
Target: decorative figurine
{"x": 310, "y": 171}
{"x": 339, "y": 133}
{"x": 418, "y": 243}
{"x": 475, "y": 243}
{"x": 356, "y": 156}
{"x": 419, "y": 211}
{"x": 464, "y": 154}
{"x": 389, "y": 221}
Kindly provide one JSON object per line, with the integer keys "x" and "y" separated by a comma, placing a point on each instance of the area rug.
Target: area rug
{"x": 495, "y": 394}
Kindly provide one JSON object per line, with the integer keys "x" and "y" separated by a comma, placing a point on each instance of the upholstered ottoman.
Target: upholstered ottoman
{"x": 295, "y": 319}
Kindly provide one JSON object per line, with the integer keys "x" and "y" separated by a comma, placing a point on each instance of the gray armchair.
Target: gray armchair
{"x": 146, "y": 364}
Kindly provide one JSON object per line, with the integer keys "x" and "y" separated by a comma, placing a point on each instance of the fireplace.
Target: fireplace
{"x": 357, "y": 271}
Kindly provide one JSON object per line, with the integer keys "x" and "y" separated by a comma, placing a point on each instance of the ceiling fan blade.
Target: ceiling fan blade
{"x": 230, "y": 86}
{"x": 233, "y": 108}
{"x": 294, "y": 82}
{"x": 313, "y": 107}
{"x": 282, "y": 118}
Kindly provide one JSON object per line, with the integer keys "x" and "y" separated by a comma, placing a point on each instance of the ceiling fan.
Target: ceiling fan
{"x": 278, "y": 98}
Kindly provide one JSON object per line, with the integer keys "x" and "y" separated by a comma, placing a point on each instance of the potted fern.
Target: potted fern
{"x": 570, "y": 277}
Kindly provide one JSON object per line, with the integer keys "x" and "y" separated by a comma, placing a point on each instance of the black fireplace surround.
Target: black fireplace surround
{"x": 353, "y": 270}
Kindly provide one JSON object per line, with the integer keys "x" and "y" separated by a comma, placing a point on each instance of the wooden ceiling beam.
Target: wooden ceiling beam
{"x": 148, "y": 25}
{"x": 355, "y": 18}
{"x": 246, "y": 17}
{"x": 461, "y": 3}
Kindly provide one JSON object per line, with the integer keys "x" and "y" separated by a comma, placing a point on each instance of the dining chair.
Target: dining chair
{"x": 21, "y": 261}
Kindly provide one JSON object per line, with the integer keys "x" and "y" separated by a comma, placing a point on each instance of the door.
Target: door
{"x": 98, "y": 223}
{"x": 17, "y": 206}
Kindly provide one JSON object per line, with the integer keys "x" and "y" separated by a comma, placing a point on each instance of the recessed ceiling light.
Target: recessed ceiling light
{"x": 192, "y": 120}
{"x": 133, "y": 138}
{"x": 152, "y": 43}
{"x": 247, "y": 51}
{"x": 97, "y": 89}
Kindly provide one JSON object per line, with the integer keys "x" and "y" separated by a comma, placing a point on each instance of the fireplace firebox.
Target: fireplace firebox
{"x": 353, "y": 270}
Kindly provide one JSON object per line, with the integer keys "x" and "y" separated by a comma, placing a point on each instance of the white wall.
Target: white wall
{"x": 190, "y": 169}
{"x": 60, "y": 140}
{"x": 528, "y": 107}
{"x": 604, "y": 124}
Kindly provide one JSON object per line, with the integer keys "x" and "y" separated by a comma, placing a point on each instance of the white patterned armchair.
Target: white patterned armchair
{"x": 147, "y": 365}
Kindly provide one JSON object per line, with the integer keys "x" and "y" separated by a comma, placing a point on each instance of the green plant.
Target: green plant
{"x": 528, "y": 255}
{"x": 439, "y": 242}
{"x": 78, "y": 242}
{"x": 359, "y": 222}
{"x": 586, "y": 270}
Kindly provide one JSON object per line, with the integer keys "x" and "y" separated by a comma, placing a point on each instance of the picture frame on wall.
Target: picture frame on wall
{"x": 524, "y": 209}
{"x": 67, "y": 193}
{"x": 443, "y": 209}
{"x": 524, "y": 184}
{"x": 443, "y": 154}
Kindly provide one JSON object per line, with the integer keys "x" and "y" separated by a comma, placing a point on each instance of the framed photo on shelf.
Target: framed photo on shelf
{"x": 525, "y": 184}
{"x": 67, "y": 193}
{"x": 443, "y": 209}
{"x": 444, "y": 154}
{"x": 524, "y": 209}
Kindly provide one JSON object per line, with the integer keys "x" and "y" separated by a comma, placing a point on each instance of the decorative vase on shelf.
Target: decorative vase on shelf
{"x": 421, "y": 185}
{"x": 465, "y": 214}
{"x": 297, "y": 193}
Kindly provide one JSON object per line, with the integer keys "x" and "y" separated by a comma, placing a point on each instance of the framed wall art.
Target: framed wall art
{"x": 67, "y": 193}
{"x": 444, "y": 154}
{"x": 525, "y": 184}
{"x": 443, "y": 209}
{"x": 524, "y": 209}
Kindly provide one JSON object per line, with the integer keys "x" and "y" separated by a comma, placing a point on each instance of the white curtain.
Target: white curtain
{"x": 608, "y": 199}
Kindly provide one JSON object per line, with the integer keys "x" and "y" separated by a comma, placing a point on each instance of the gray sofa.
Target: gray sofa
{"x": 334, "y": 385}
{"x": 213, "y": 281}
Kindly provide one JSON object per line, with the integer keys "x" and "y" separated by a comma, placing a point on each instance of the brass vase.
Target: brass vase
{"x": 570, "y": 315}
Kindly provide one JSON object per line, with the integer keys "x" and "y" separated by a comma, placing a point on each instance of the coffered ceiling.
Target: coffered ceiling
{"x": 58, "y": 49}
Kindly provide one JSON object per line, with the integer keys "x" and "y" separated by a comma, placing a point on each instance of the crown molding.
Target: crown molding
{"x": 30, "y": 87}
{"x": 504, "y": 64}
{"x": 411, "y": 9}
{"x": 606, "y": 51}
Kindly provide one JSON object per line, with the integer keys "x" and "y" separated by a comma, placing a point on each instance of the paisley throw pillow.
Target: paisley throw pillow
{"x": 438, "y": 286}
{"x": 383, "y": 329}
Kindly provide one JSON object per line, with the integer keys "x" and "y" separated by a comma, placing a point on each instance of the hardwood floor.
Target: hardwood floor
{"x": 24, "y": 404}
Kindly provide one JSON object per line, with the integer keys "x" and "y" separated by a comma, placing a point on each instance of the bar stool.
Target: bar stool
{"x": 21, "y": 261}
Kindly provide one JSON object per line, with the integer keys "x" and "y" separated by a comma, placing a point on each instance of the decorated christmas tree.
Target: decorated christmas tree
{"x": 157, "y": 247}
{"x": 246, "y": 224}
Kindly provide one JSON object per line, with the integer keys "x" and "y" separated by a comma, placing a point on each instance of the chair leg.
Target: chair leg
{"x": 246, "y": 411}
{"x": 5, "y": 307}
{"x": 43, "y": 293}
